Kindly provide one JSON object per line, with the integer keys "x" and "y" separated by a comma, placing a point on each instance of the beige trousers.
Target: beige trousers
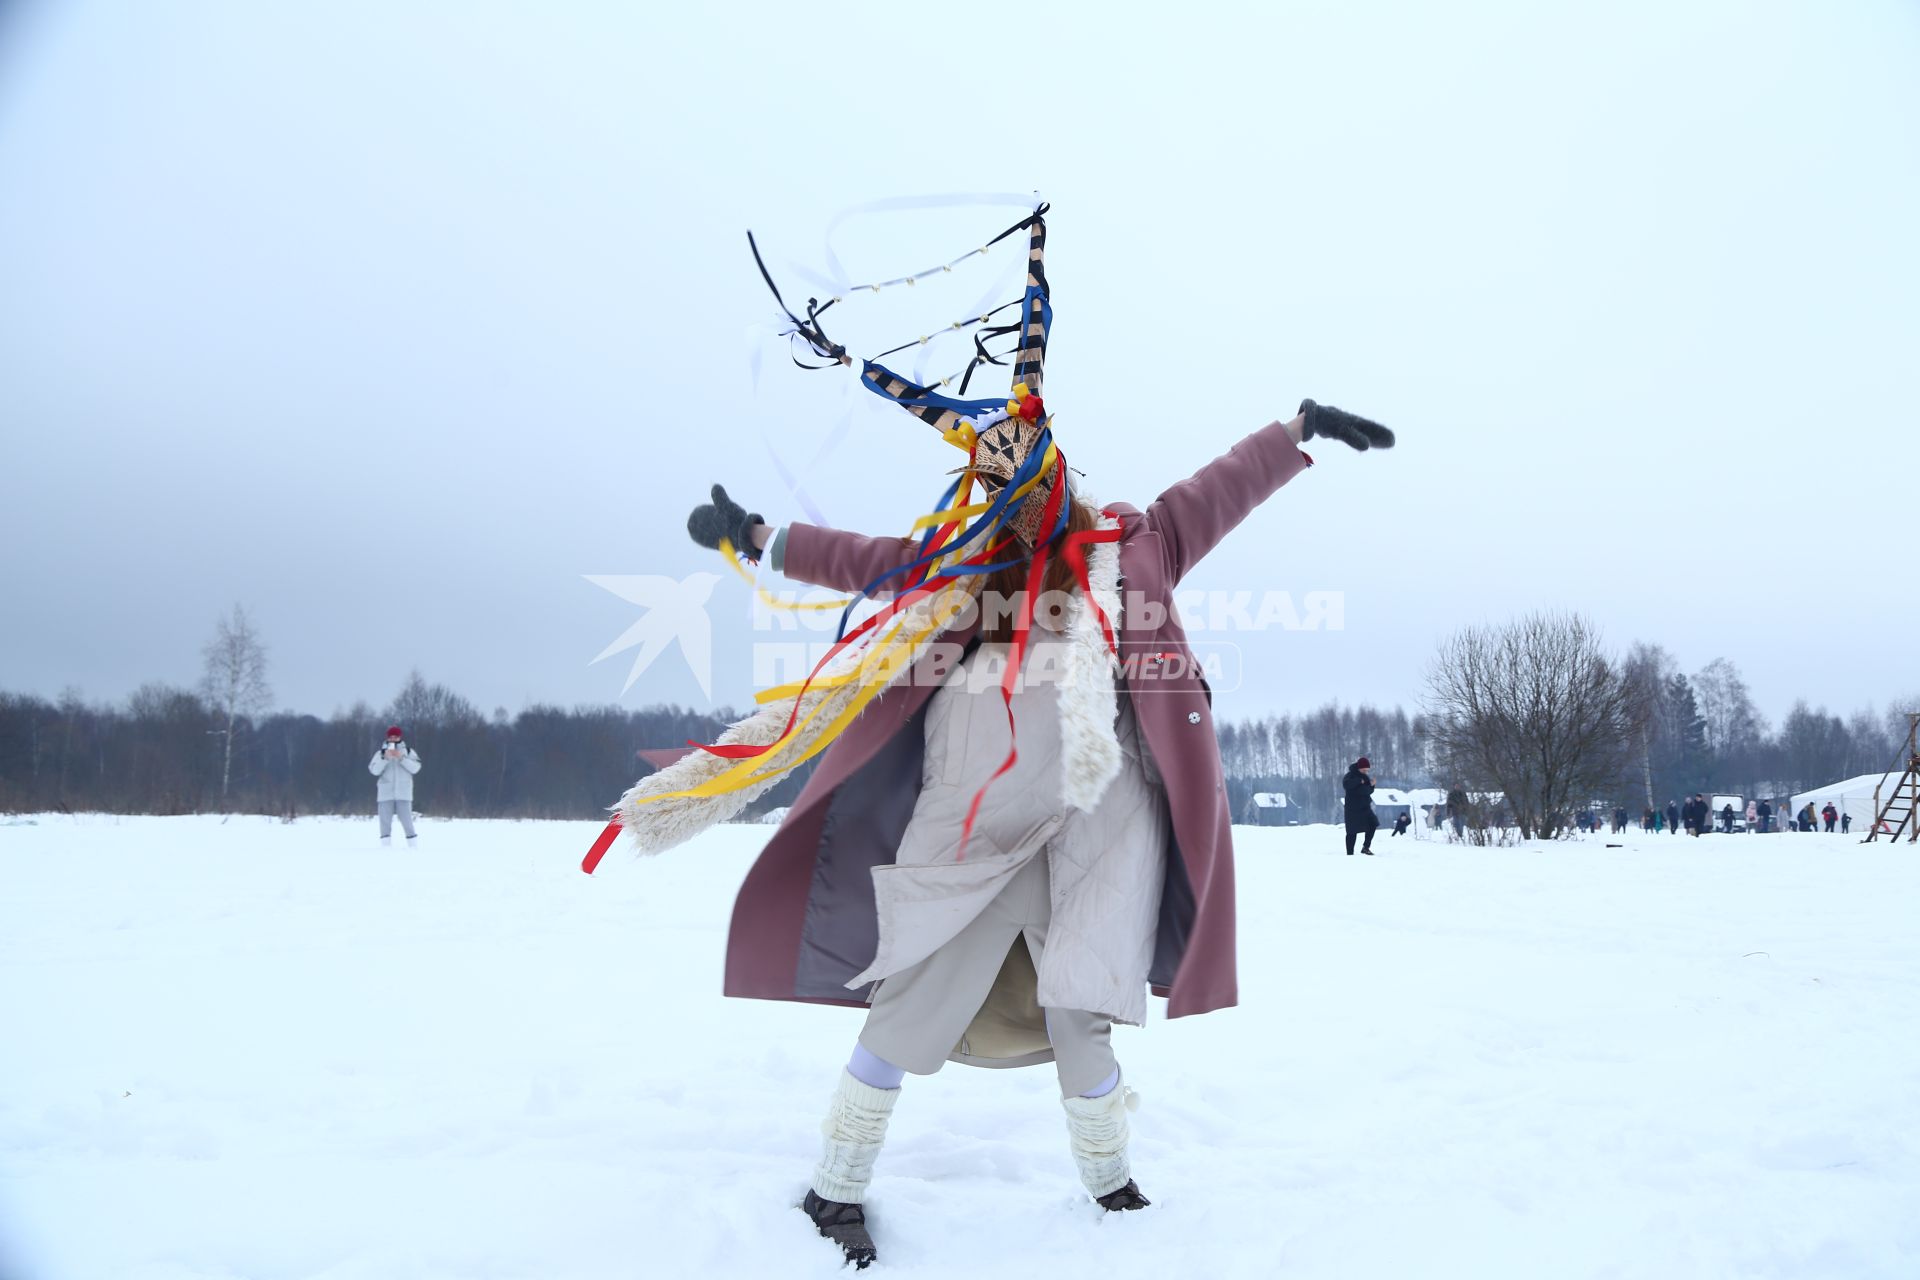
{"x": 974, "y": 997}
{"x": 922, "y": 1016}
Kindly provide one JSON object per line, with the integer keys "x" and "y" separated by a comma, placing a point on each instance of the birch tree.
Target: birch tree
{"x": 234, "y": 683}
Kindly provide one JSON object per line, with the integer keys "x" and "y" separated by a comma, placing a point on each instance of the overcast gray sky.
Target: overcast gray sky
{"x": 392, "y": 321}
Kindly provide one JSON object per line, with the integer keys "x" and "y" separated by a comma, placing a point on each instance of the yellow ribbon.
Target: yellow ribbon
{"x": 949, "y": 516}
{"x": 732, "y": 558}
{"x": 885, "y": 656}
{"x": 891, "y": 657}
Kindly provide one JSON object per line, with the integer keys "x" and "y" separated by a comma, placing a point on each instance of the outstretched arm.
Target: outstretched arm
{"x": 1195, "y": 514}
{"x": 841, "y": 561}
{"x": 831, "y": 558}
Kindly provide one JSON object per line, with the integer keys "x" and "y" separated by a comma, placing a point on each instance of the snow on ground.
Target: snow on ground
{"x": 248, "y": 1049}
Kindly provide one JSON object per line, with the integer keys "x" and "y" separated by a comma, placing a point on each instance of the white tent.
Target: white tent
{"x": 1854, "y": 797}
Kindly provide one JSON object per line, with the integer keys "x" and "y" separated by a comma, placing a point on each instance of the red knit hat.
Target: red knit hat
{"x": 393, "y": 731}
{"x": 1363, "y": 763}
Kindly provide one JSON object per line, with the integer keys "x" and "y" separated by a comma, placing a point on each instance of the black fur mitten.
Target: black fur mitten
{"x": 1347, "y": 428}
{"x": 724, "y": 518}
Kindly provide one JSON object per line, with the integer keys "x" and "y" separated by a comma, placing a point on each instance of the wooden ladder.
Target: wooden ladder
{"x": 1900, "y": 814}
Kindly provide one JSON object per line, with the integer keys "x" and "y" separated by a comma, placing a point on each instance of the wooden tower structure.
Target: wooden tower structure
{"x": 1899, "y": 813}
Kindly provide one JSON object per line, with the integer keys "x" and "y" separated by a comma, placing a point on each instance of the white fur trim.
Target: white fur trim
{"x": 1089, "y": 704}
{"x": 1090, "y": 753}
{"x": 659, "y": 825}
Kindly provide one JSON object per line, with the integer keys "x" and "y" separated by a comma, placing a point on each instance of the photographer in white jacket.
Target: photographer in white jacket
{"x": 394, "y": 765}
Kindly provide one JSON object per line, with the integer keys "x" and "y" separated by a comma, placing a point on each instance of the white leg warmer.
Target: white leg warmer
{"x": 1097, "y": 1128}
{"x": 855, "y": 1127}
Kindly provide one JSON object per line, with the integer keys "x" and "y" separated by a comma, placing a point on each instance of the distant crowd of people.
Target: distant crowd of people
{"x": 1696, "y": 817}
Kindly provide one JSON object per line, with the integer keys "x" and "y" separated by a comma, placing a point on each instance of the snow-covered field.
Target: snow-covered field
{"x": 248, "y": 1049}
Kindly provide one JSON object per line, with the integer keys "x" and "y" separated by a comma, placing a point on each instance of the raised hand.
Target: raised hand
{"x": 724, "y": 518}
{"x": 1347, "y": 428}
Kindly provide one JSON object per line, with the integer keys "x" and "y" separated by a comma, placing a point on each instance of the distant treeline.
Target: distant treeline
{"x": 161, "y": 751}
{"x": 1304, "y": 756}
{"x": 1698, "y": 733}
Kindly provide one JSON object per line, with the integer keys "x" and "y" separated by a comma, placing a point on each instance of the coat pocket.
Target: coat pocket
{"x": 955, "y": 729}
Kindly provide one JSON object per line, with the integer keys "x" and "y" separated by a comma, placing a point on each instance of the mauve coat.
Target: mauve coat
{"x": 804, "y": 924}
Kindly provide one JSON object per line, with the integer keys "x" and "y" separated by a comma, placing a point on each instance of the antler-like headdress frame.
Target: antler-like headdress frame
{"x": 1008, "y": 441}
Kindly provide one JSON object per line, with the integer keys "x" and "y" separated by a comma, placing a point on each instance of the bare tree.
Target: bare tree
{"x": 1645, "y": 671}
{"x": 1735, "y": 728}
{"x": 1814, "y": 747}
{"x": 234, "y": 683}
{"x": 1867, "y": 741}
{"x": 1537, "y": 710}
{"x": 420, "y": 705}
{"x": 1894, "y": 735}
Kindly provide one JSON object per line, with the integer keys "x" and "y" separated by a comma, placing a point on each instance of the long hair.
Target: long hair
{"x": 1004, "y": 585}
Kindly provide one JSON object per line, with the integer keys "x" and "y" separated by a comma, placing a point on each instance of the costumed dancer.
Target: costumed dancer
{"x": 1020, "y": 823}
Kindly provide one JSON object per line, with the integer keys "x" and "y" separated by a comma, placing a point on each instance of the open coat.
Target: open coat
{"x": 804, "y": 923}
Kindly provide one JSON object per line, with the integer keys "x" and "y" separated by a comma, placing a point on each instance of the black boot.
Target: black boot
{"x": 846, "y": 1226}
{"x": 1127, "y": 1197}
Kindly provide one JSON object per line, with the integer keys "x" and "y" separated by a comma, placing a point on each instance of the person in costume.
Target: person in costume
{"x": 1018, "y": 825}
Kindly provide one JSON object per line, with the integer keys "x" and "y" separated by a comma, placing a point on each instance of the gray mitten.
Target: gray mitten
{"x": 1347, "y": 428}
{"x": 724, "y": 518}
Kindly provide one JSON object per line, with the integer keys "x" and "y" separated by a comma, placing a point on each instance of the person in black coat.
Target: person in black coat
{"x": 1358, "y": 785}
{"x": 1673, "y": 817}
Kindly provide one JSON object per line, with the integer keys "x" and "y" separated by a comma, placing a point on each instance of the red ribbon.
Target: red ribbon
{"x": 611, "y": 831}
{"x": 1024, "y": 632}
{"x": 1072, "y": 547}
{"x": 600, "y": 846}
{"x": 748, "y": 752}
{"x": 1077, "y": 557}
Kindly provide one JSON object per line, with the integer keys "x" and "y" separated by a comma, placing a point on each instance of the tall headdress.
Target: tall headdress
{"x": 1022, "y": 520}
{"x": 1008, "y": 440}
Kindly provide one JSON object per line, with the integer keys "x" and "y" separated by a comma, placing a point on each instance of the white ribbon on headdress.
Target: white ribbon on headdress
{"x": 838, "y": 284}
{"x": 896, "y": 204}
{"x": 999, "y": 287}
{"x": 757, "y": 336}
